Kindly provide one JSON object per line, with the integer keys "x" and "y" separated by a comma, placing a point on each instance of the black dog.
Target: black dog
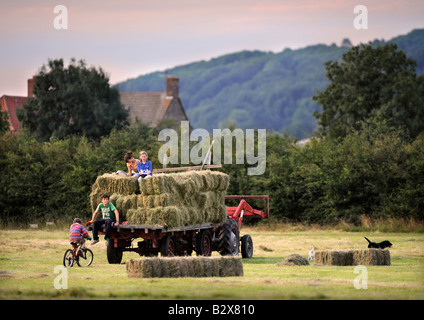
{"x": 382, "y": 245}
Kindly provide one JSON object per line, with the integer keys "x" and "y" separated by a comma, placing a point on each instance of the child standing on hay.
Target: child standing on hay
{"x": 145, "y": 167}
{"x": 132, "y": 165}
{"x": 110, "y": 217}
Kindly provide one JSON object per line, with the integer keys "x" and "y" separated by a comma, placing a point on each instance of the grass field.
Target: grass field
{"x": 28, "y": 259}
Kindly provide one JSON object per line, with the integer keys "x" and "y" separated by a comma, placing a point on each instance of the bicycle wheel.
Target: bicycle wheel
{"x": 86, "y": 259}
{"x": 68, "y": 259}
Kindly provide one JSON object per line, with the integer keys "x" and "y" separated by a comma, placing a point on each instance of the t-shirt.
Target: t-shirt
{"x": 77, "y": 232}
{"x": 107, "y": 212}
{"x": 144, "y": 167}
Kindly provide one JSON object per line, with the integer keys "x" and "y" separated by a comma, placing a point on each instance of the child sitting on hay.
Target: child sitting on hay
{"x": 145, "y": 167}
{"x": 110, "y": 217}
{"x": 132, "y": 166}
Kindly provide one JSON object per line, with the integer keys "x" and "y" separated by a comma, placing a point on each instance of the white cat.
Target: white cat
{"x": 311, "y": 254}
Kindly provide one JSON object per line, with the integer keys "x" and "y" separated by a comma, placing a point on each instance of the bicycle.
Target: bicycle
{"x": 82, "y": 256}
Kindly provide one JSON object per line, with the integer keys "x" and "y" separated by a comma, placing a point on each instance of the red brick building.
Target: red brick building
{"x": 12, "y": 103}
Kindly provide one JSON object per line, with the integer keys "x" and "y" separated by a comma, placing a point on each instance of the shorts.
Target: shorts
{"x": 126, "y": 173}
{"x": 79, "y": 242}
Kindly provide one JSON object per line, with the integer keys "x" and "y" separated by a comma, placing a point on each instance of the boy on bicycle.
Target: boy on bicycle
{"x": 78, "y": 233}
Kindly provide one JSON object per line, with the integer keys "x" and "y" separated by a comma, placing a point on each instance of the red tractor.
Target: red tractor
{"x": 203, "y": 239}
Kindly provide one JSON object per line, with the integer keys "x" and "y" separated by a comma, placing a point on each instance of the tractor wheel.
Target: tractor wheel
{"x": 167, "y": 246}
{"x": 204, "y": 243}
{"x": 246, "y": 246}
{"x": 114, "y": 255}
{"x": 229, "y": 239}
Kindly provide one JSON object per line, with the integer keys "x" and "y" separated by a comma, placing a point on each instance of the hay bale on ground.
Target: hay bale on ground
{"x": 334, "y": 257}
{"x": 294, "y": 260}
{"x": 354, "y": 257}
{"x": 371, "y": 257}
{"x": 175, "y": 267}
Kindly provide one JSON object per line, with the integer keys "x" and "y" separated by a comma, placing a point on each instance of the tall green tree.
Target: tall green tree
{"x": 73, "y": 100}
{"x": 371, "y": 83}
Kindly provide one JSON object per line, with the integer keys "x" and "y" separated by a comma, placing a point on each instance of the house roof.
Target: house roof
{"x": 11, "y": 104}
{"x": 149, "y": 107}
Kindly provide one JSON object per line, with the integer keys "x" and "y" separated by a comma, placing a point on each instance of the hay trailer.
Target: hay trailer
{"x": 202, "y": 239}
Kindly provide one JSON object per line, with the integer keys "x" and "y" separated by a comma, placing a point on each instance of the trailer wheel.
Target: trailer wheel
{"x": 204, "y": 243}
{"x": 114, "y": 255}
{"x": 229, "y": 239}
{"x": 167, "y": 246}
{"x": 246, "y": 246}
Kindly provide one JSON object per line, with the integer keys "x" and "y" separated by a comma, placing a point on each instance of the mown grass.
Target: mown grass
{"x": 28, "y": 259}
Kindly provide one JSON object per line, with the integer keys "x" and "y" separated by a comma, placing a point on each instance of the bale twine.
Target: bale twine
{"x": 354, "y": 257}
{"x": 294, "y": 260}
{"x": 176, "y": 267}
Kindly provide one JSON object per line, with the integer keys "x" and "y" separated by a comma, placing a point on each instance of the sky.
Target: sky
{"x": 131, "y": 38}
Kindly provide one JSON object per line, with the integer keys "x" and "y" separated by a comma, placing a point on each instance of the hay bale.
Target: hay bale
{"x": 371, "y": 257}
{"x": 184, "y": 183}
{"x": 174, "y": 211}
{"x": 334, "y": 257}
{"x": 176, "y": 216}
{"x": 175, "y": 267}
{"x": 294, "y": 260}
{"x": 171, "y": 217}
{"x": 123, "y": 203}
{"x": 115, "y": 183}
{"x": 354, "y": 257}
{"x": 172, "y": 200}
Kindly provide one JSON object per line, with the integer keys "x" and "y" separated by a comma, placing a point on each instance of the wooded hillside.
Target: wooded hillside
{"x": 260, "y": 89}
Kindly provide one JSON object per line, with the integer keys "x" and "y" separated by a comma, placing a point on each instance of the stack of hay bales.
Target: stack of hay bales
{"x": 172, "y": 199}
{"x": 355, "y": 257}
{"x": 175, "y": 267}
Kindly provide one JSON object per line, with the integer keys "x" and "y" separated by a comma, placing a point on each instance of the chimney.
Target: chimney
{"x": 31, "y": 87}
{"x": 172, "y": 86}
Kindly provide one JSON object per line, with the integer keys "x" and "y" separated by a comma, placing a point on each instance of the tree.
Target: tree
{"x": 4, "y": 122}
{"x": 72, "y": 101}
{"x": 371, "y": 83}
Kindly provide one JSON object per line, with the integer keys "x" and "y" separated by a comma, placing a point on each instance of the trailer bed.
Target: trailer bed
{"x": 147, "y": 228}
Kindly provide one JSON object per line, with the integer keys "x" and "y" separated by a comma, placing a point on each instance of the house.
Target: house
{"x": 151, "y": 108}
{"x": 12, "y": 103}
{"x": 154, "y": 107}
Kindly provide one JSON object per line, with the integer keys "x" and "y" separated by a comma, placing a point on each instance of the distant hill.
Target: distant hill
{"x": 260, "y": 89}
